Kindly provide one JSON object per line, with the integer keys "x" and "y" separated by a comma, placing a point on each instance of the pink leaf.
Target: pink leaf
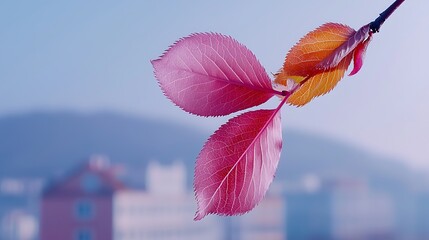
{"x": 347, "y": 47}
{"x": 237, "y": 164}
{"x": 359, "y": 55}
{"x": 211, "y": 75}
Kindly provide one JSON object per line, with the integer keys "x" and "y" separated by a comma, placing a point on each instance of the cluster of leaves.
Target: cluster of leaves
{"x": 210, "y": 74}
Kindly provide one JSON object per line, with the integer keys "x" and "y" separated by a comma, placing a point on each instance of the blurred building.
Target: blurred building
{"x": 80, "y": 206}
{"x": 265, "y": 222}
{"x": 18, "y": 225}
{"x": 164, "y": 211}
{"x": 342, "y": 208}
{"x": 19, "y": 208}
{"x": 92, "y": 204}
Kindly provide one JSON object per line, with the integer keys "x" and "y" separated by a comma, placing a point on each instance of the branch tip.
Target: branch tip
{"x": 376, "y": 24}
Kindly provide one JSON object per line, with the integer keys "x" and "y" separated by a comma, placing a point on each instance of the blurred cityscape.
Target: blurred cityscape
{"x": 344, "y": 197}
{"x": 91, "y": 202}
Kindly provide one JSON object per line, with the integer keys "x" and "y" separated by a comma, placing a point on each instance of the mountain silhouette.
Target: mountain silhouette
{"x": 47, "y": 144}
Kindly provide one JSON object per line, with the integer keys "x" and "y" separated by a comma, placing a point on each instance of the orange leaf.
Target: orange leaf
{"x": 303, "y": 61}
{"x": 314, "y": 47}
{"x": 319, "y": 84}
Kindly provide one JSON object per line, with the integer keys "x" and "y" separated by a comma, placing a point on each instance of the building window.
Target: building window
{"x": 84, "y": 210}
{"x": 84, "y": 234}
{"x": 90, "y": 183}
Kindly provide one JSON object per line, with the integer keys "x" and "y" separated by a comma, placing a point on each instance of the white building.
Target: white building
{"x": 265, "y": 222}
{"x": 165, "y": 211}
{"x": 359, "y": 213}
{"x": 18, "y": 225}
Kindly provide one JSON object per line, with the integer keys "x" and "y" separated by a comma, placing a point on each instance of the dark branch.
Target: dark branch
{"x": 376, "y": 24}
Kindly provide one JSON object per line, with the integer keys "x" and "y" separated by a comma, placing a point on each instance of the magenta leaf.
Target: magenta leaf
{"x": 211, "y": 74}
{"x": 345, "y": 49}
{"x": 237, "y": 164}
{"x": 359, "y": 55}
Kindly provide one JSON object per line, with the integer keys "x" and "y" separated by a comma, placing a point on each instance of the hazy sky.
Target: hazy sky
{"x": 94, "y": 56}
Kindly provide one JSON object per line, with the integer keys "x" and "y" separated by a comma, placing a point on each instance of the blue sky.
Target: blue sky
{"x": 91, "y": 56}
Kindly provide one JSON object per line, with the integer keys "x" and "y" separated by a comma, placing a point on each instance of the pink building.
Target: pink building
{"x": 80, "y": 206}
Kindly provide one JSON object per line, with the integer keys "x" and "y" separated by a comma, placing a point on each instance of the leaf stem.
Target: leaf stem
{"x": 305, "y": 80}
{"x": 286, "y": 94}
{"x": 376, "y": 24}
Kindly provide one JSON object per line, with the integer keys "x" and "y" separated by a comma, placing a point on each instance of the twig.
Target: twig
{"x": 376, "y": 24}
